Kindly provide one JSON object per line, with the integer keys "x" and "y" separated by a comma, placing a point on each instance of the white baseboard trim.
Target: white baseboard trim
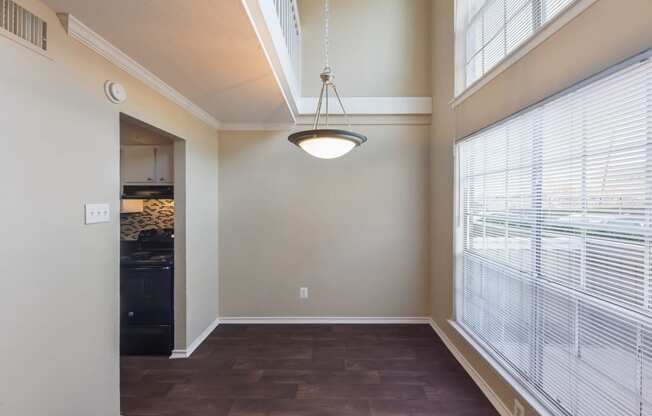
{"x": 491, "y": 395}
{"x": 323, "y": 320}
{"x": 187, "y": 352}
{"x": 493, "y": 398}
{"x": 178, "y": 354}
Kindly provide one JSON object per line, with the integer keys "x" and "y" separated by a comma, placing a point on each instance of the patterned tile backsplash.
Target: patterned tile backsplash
{"x": 157, "y": 213}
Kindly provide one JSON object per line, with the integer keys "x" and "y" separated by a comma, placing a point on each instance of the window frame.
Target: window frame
{"x": 541, "y": 33}
{"x": 534, "y": 398}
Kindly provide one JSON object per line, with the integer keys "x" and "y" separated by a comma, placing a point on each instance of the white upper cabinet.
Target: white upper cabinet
{"x": 164, "y": 166}
{"x": 145, "y": 164}
{"x": 138, "y": 164}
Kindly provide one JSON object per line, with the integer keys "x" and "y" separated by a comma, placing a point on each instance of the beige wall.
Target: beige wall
{"x": 58, "y": 277}
{"x": 353, "y": 230}
{"x": 202, "y": 282}
{"x": 135, "y": 134}
{"x": 378, "y": 48}
{"x": 603, "y": 35}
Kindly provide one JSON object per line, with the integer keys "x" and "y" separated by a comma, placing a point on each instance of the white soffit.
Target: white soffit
{"x": 272, "y": 41}
{"x": 260, "y": 12}
{"x": 371, "y": 105}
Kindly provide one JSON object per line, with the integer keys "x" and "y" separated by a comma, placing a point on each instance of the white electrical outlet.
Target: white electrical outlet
{"x": 303, "y": 293}
{"x": 96, "y": 213}
{"x": 519, "y": 410}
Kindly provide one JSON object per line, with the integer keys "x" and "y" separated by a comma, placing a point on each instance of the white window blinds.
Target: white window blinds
{"x": 486, "y": 31}
{"x": 554, "y": 244}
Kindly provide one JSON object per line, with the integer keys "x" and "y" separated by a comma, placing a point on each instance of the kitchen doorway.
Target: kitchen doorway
{"x": 152, "y": 240}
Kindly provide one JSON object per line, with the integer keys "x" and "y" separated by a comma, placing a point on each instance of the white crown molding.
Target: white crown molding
{"x": 363, "y": 110}
{"x": 77, "y": 30}
{"x": 187, "y": 352}
{"x": 256, "y": 126}
{"x": 323, "y": 320}
{"x": 491, "y": 395}
{"x": 371, "y": 105}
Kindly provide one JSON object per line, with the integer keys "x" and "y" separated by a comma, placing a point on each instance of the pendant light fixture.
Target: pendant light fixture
{"x": 327, "y": 143}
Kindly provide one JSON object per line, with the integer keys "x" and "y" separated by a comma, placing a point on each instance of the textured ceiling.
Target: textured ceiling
{"x": 205, "y": 49}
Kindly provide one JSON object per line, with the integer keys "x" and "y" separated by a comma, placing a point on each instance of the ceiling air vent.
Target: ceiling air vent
{"x": 23, "y": 23}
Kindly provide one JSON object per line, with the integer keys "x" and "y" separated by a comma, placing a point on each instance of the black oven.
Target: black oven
{"x": 146, "y": 310}
{"x": 147, "y": 295}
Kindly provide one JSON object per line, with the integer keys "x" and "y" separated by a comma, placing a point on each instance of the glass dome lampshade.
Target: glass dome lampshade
{"x": 327, "y": 143}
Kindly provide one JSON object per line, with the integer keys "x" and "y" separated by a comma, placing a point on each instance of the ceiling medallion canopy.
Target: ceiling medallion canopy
{"x": 327, "y": 143}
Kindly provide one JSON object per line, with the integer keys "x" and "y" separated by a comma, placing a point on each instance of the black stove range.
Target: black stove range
{"x": 147, "y": 295}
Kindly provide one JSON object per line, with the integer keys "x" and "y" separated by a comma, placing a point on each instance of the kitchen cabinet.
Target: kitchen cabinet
{"x": 164, "y": 166}
{"x": 145, "y": 164}
{"x": 138, "y": 164}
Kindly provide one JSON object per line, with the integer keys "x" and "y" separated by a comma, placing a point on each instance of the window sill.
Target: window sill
{"x": 546, "y": 31}
{"x": 513, "y": 382}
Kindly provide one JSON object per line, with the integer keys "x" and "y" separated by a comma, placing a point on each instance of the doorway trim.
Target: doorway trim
{"x": 180, "y": 230}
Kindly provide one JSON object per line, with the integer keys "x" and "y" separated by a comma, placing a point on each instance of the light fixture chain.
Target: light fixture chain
{"x": 326, "y": 23}
{"x": 326, "y": 143}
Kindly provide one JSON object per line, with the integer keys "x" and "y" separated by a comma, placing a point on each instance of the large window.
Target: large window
{"x": 554, "y": 245}
{"x": 486, "y": 31}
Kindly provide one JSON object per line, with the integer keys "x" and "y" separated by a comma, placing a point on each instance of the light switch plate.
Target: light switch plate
{"x": 303, "y": 293}
{"x": 97, "y": 213}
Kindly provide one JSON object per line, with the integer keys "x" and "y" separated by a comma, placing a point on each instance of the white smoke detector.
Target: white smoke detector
{"x": 115, "y": 92}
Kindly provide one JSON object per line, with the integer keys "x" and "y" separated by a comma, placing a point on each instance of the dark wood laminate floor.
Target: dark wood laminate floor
{"x": 305, "y": 370}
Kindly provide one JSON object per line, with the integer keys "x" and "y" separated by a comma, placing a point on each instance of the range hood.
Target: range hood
{"x": 147, "y": 192}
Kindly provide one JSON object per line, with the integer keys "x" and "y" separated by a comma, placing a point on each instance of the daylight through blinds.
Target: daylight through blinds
{"x": 554, "y": 245}
{"x": 486, "y": 31}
